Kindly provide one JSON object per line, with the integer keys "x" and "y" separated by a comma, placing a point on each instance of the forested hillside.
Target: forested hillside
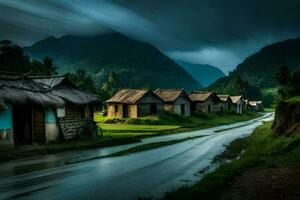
{"x": 137, "y": 64}
{"x": 204, "y": 74}
{"x": 259, "y": 70}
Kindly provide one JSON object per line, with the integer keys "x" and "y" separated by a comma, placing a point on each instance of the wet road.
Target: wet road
{"x": 145, "y": 174}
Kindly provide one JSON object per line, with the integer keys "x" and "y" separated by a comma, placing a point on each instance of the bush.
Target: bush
{"x": 113, "y": 120}
{"x": 144, "y": 121}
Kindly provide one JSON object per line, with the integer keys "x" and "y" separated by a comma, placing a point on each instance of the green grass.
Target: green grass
{"x": 124, "y": 132}
{"x": 169, "y": 123}
{"x": 269, "y": 109}
{"x": 262, "y": 149}
{"x": 136, "y": 128}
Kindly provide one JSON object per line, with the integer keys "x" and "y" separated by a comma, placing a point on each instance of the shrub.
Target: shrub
{"x": 113, "y": 120}
{"x": 144, "y": 121}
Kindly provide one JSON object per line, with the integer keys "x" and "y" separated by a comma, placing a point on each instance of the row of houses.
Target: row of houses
{"x": 42, "y": 109}
{"x": 135, "y": 103}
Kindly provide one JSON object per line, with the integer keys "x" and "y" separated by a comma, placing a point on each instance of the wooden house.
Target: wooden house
{"x": 238, "y": 104}
{"x": 255, "y": 105}
{"x": 225, "y": 103}
{"x": 133, "y": 103}
{"x": 41, "y": 109}
{"x": 206, "y": 102}
{"x": 175, "y": 100}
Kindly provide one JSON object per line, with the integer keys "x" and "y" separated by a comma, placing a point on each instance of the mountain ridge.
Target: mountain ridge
{"x": 205, "y": 74}
{"x": 138, "y": 63}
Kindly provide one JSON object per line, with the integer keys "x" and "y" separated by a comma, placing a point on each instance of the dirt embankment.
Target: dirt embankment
{"x": 261, "y": 184}
{"x": 287, "y": 119}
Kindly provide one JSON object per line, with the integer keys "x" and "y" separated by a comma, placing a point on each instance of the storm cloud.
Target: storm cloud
{"x": 216, "y": 32}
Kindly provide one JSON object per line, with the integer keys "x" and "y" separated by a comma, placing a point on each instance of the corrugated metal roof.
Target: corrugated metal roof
{"x": 199, "y": 95}
{"x": 128, "y": 96}
{"x": 169, "y": 95}
{"x": 16, "y": 88}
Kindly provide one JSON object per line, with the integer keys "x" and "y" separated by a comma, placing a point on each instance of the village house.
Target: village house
{"x": 133, "y": 103}
{"x": 225, "y": 102}
{"x": 255, "y": 105}
{"x": 206, "y": 102}
{"x": 175, "y": 101}
{"x": 41, "y": 109}
{"x": 238, "y": 104}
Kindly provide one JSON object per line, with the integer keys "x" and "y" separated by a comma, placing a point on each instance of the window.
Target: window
{"x": 61, "y": 112}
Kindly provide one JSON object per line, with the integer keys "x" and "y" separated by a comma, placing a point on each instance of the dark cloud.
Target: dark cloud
{"x": 216, "y": 32}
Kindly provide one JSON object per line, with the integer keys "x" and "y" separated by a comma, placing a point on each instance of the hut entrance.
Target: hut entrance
{"x": 29, "y": 125}
{"x": 125, "y": 111}
{"x": 22, "y": 124}
{"x": 182, "y": 109}
{"x": 38, "y": 125}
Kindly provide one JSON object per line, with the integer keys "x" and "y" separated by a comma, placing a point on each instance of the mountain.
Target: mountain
{"x": 138, "y": 64}
{"x": 204, "y": 74}
{"x": 260, "y": 69}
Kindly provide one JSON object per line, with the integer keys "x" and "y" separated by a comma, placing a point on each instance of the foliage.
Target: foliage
{"x": 13, "y": 59}
{"x": 236, "y": 86}
{"x": 288, "y": 82}
{"x": 109, "y": 86}
{"x": 260, "y": 69}
{"x": 83, "y": 80}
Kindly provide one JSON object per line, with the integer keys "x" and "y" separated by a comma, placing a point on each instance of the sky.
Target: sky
{"x": 216, "y": 32}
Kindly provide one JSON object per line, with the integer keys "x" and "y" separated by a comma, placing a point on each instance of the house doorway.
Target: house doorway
{"x": 38, "y": 125}
{"x": 125, "y": 111}
{"x": 208, "y": 108}
{"x": 182, "y": 109}
{"x": 22, "y": 124}
{"x": 153, "y": 109}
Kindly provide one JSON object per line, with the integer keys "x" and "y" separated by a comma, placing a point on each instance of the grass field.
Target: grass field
{"x": 261, "y": 150}
{"x": 124, "y": 131}
{"x": 168, "y": 123}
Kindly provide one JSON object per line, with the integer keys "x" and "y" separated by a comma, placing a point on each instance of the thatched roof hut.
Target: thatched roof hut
{"x": 134, "y": 103}
{"x": 170, "y": 95}
{"x": 205, "y": 101}
{"x": 175, "y": 100}
{"x": 129, "y": 96}
{"x": 37, "y": 109}
{"x": 201, "y": 96}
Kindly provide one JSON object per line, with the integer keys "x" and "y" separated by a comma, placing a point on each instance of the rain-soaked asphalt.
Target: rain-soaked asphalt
{"x": 145, "y": 174}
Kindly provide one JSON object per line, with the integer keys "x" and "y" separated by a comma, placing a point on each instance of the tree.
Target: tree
{"x": 50, "y": 69}
{"x": 109, "y": 86}
{"x": 283, "y": 75}
{"x": 294, "y": 83}
{"x": 12, "y": 58}
{"x": 241, "y": 86}
{"x": 83, "y": 81}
